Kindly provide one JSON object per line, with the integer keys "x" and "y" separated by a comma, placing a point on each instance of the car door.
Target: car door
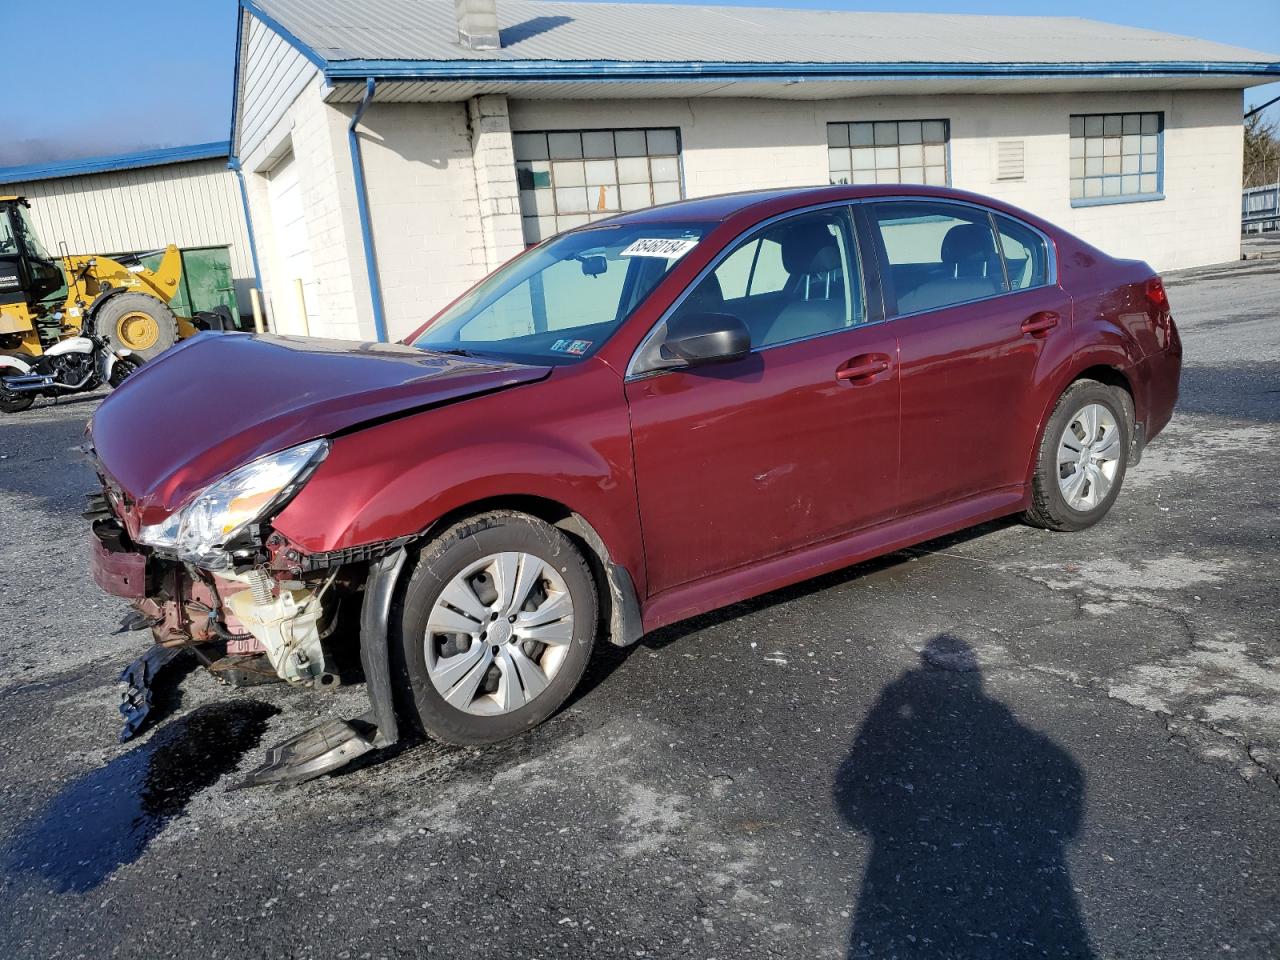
{"x": 975, "y": 303}
{"x": 795, "y": 443}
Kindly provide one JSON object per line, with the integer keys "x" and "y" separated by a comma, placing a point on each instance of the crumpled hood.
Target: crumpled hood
{"x": 218, "y": 401}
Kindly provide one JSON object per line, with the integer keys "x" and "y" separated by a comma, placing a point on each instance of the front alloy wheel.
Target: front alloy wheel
{"x": 499, "y": 634}
{"x": 495, "y": 629}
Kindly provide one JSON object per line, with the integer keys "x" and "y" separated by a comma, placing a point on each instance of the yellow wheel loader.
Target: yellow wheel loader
{"x": 46, "y": 299}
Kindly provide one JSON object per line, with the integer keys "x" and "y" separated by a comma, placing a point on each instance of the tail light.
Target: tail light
{"x": 1156, "y": 295}
{"x": 1161, "y": 320}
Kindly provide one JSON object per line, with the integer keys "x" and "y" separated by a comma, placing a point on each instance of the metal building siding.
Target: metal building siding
{"x": 272, "y": 75}
{"x": 191, "y": 204}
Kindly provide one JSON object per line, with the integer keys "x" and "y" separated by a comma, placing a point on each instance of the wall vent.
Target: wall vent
{"x": 1010, "y": 159}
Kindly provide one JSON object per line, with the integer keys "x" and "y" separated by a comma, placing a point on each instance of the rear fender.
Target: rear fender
{"x": 99, "y": 302}
{"x": 15, "y": 364}
{"x": 1115, "y": 353}
{"x": 70, "y": 345}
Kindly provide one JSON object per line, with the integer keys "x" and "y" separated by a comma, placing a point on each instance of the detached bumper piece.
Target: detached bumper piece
{"x": 335, "y": 743}
{"x": 312, "y": 753}
{"x": 138, "y": 696}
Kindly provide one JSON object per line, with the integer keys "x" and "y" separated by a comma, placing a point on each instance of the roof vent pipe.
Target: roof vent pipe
{"x": 477, "y": 24}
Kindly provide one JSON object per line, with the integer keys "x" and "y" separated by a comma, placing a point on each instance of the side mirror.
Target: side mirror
{"x": 701, "y": 338}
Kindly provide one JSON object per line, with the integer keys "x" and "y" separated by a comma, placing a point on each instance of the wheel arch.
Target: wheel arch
{"x": 1104, "y": 369}
{"x": 105, "y": 297}
{"x": 615, "y": 587}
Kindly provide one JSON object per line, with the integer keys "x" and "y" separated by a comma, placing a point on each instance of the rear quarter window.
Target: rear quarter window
{"x": 1026, "y": 254}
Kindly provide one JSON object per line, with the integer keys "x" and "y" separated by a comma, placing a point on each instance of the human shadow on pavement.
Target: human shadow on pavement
{"x": 969, "y": 813}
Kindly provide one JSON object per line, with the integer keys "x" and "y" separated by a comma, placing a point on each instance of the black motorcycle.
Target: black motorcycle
{"x": 75, "y": 365}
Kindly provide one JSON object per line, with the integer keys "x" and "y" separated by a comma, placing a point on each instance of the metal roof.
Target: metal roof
{"x": 124, "y": 161}
{"x": 549, "y": 38}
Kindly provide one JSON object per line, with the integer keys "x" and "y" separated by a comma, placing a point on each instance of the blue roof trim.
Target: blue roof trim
{"x": 316, "y": 59}
{"x": 613, "y": 70}
{"x": 235, "y": 86}
{"x": 219, "y": 150}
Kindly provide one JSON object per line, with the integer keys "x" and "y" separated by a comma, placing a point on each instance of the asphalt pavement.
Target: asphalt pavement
{"x": 1008, "y": 743}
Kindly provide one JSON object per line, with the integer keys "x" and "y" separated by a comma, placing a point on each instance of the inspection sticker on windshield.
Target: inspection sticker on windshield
{"x": 575, "y": 347}
{"x": 667, "y": 249}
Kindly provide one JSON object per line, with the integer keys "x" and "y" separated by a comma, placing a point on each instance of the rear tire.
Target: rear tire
{"x": 1082, "y": 458}
{"x": 496, "y": 582}
{"x": 138, "y": 323}
{"x": 14, "y": 402}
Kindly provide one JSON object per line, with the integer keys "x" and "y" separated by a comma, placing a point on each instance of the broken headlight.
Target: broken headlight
{"x": 200, "y": 531}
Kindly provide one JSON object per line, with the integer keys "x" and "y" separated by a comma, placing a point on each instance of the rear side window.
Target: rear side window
{"x": 938, "y": 253}
{"x": 1026, "y": 255}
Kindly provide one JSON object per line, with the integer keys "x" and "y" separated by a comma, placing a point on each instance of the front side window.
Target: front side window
{"x": 571, "y": 177}
{"x": 561, "y": 301}
{"x": 938, "y": 253}
{"x": 1116, "y": 157}
{"x": 893, "y": 151}
{"x": 794, "y": 279}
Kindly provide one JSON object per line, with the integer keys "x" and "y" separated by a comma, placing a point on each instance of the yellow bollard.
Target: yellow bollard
{"x": 302, "y": 309}
{"x": 255, "y": 298}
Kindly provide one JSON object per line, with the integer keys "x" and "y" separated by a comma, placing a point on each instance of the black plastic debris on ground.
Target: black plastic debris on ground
{"x": 142, "y": 698}
{"x": 107, "y": 817}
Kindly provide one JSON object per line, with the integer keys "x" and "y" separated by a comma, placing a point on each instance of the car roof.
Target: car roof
{"x": 766, "y": 203}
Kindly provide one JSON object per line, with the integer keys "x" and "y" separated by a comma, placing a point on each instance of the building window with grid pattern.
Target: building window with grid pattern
{"x": 571, "y": 177}
{"x": 1116, "y": 157}
{"x": 894, "y": 151}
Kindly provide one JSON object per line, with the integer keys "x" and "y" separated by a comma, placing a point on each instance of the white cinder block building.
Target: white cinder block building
{"x": 396, "y": 150}
{"x": 143, "y": 201}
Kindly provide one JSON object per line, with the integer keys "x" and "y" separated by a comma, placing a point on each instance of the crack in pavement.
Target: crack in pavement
{"x": 1151, "y": 687}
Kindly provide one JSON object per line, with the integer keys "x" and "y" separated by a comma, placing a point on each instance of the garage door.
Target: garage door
{"x": 292, "y": 250}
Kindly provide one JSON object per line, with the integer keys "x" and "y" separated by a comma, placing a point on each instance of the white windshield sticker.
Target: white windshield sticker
{"x": 659, "y": 247}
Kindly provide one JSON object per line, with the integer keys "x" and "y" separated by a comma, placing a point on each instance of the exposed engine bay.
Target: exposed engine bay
{"x": 261, "y": 621}
{"x": 254, "y": 609}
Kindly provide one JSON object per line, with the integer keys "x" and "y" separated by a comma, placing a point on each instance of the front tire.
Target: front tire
{"x": 1082, "y": 458}
{"x": 496, "y": 627}
{"x": 122, "y": 370}
{"x": 14, "y": 402}
{"x": 139, "y": 323}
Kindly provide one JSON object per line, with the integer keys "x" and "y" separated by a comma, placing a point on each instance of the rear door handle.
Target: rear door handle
{"x": 863, "y": 368}
{"x": 1039, "y": 324}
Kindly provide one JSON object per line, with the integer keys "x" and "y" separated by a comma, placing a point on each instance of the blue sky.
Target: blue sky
{"x": 162, "y": 75}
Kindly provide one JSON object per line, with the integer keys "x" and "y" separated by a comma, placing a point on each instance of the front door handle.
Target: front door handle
{"x": 1039, "y": 324}
{"x": 863, "y": 368}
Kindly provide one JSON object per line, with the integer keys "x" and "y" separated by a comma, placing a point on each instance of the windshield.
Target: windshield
{"x": 562, "y": 300}
{"x": 8, "y": 242}
{"x": 28, "y": 238}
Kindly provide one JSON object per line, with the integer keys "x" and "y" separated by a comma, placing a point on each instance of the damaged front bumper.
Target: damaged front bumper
{"x": 278, "y": 618}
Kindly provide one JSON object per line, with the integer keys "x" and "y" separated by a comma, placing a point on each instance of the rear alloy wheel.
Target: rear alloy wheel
{"x": 497, "y": 625}
{"x": 1088, "y": 457}
{"x": 1082, "y": 458}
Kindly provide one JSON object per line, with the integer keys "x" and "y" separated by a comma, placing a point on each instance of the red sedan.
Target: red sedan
{"x": 634, "y": 422}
